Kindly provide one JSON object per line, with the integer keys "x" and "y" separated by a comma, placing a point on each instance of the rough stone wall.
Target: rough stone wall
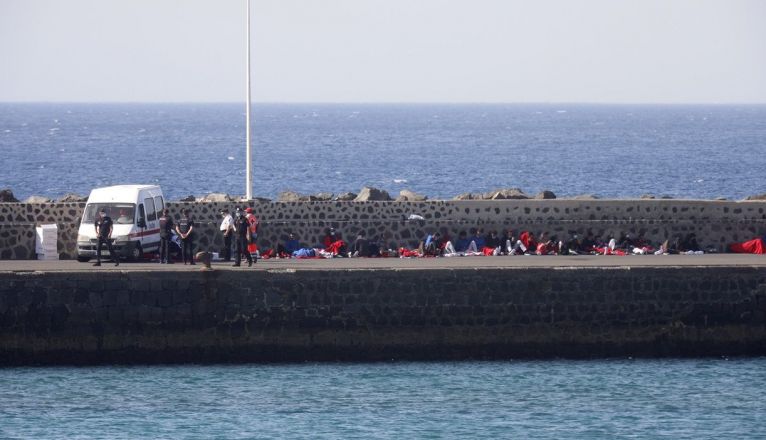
{"x": 716, "y": 223}
{"x": 232, "y": 316}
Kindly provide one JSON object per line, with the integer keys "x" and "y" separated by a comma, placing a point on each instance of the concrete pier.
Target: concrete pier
{"x": 382, "y": 309}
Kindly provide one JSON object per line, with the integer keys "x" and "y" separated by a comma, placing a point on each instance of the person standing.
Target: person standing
{"x": 185, "y": 230}
{"x": 242, "y": 234}
{"x": 104, "y": 226}
{"x": 166, "y": 230}
{"x": 227, "y": 228}
{"x": 252, "y": 222}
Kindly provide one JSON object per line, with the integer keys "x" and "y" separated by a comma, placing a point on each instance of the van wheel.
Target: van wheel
{"x": 137, "y": 253}
{"x": 83, "y": 259}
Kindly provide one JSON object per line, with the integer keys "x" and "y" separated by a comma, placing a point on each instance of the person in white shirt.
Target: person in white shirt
{"x": 227, "y": 228}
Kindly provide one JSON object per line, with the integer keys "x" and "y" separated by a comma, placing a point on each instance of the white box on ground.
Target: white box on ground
{"x": 46, "y": 242}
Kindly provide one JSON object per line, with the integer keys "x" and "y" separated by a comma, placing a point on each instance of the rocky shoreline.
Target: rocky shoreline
{"x": 366, "y": 194}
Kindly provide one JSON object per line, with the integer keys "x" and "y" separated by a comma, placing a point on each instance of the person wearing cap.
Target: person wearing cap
{"x": 227, "y": 228}
{"x": 242, "y": 234}
{"x": 166, "y": 230}
{"x": 185, "y": 230}
{"x": 104, "y": 226}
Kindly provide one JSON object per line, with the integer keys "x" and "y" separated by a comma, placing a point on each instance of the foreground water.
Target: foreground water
{"x": 679, "y": 399}
{"x": 438, "y": 150}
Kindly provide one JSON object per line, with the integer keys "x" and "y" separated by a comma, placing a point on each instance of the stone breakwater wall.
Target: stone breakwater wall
{"x": 372, "y": 315}
{"x": 716, "y": 223}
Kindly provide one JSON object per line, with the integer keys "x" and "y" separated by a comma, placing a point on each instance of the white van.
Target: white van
{"x": 134, "y": 209}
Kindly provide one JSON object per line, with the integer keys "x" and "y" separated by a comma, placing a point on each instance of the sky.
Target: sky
{"x": 441, "y": 51}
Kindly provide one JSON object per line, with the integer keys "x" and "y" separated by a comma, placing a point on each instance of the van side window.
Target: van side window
{"x": 159, "y": 203}
{"x": 141, "y": 213}
{"x": 151, "y": 214}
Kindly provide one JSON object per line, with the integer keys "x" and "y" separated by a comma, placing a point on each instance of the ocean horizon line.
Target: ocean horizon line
{"x": 402, "y": 103}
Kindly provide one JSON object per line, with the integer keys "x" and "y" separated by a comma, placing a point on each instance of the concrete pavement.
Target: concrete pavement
{"x": 500, "y": 262}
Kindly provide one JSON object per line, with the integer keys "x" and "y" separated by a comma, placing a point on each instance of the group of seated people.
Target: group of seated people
{"x": 332, "y": 246}
{"x": 476, "y": 242}
{"x": 526, "y": 243}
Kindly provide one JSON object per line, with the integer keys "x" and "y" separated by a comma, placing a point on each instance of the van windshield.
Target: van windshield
{"x": 121, "y": 213}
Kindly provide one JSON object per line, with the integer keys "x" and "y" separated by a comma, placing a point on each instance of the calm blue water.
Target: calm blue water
{"x": 647, "y": 399}
{"x": 441, "y": 151}
{"x": 438, "y": 150}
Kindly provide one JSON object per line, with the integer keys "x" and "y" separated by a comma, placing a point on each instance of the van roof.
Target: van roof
{"x": 122, "y": 193}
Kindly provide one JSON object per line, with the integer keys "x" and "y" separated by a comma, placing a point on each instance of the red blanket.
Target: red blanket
{"x": 754, "y": 246}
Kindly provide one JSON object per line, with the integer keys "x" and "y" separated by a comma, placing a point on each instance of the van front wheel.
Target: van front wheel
{"x": 136, "y": 253}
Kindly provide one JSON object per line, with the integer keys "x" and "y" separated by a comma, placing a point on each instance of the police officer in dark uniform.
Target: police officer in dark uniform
{"x": 185, "y": 230}
{"x": 104, "y": 235}
{"x": 166, "y": 230}
{"x": 242, "y": 234}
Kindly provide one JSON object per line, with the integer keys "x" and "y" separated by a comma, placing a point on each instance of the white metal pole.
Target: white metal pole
{"x": 248, "y": 152}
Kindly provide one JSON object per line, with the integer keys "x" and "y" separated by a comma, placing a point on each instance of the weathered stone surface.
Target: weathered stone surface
{"x": 545, "y": 195}
{"x": 757, "y": 197}
{"x": 716, "y": 223}
{"x": 37, "y": 199}
{"x": 322, "y": 196}
{"x": 217, "y": 197}
{"x": 345, "y": 197}
{"x": 468, "y": 196}
{"x": 585, "y": 197}
{"x": 506, "y": 194}
{"x": 291, "y": 196}
{"x": 368, "y": 315}
{"x": 6, "y": 196}
{"x": 406, "y": 195}
{"x": 72, "y": 197}
{"x": 368, "y": 194}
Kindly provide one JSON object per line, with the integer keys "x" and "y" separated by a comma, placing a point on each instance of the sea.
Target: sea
{"x": 610, "y": 151}
{"x": 616, "y": 151}
{"x": 603, "y": 399}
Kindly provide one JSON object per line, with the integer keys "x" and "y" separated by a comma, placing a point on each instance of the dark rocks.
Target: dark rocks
{"x": 757, "y": 197}
{"x": 188, "y": 198}
{"x": 322, "y": 197}
{"x": 6, "y": 196}
{"x": 406, "y": 195}
{"x": 545, "y": 195}
{"x": 345, "y": 197}
{"x": 647, "y": 196}
{"x": 368, "y": 194}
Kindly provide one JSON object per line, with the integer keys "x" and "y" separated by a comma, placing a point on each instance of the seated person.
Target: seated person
{"x": 334, "y": 244}
{"x": 491, "y": 244}
{"x": 477, "y": 238}
{"x": 291, "y": 245}
{"x": 361, "y": 246}
{"x": 432, "y": 246}
{"x": 526, "y": 244}
{"x": 690, "y": 243}
{"x": 123, "y": 219}
{"x": 459, "y": 246}
{"x": 507, "y": 241}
